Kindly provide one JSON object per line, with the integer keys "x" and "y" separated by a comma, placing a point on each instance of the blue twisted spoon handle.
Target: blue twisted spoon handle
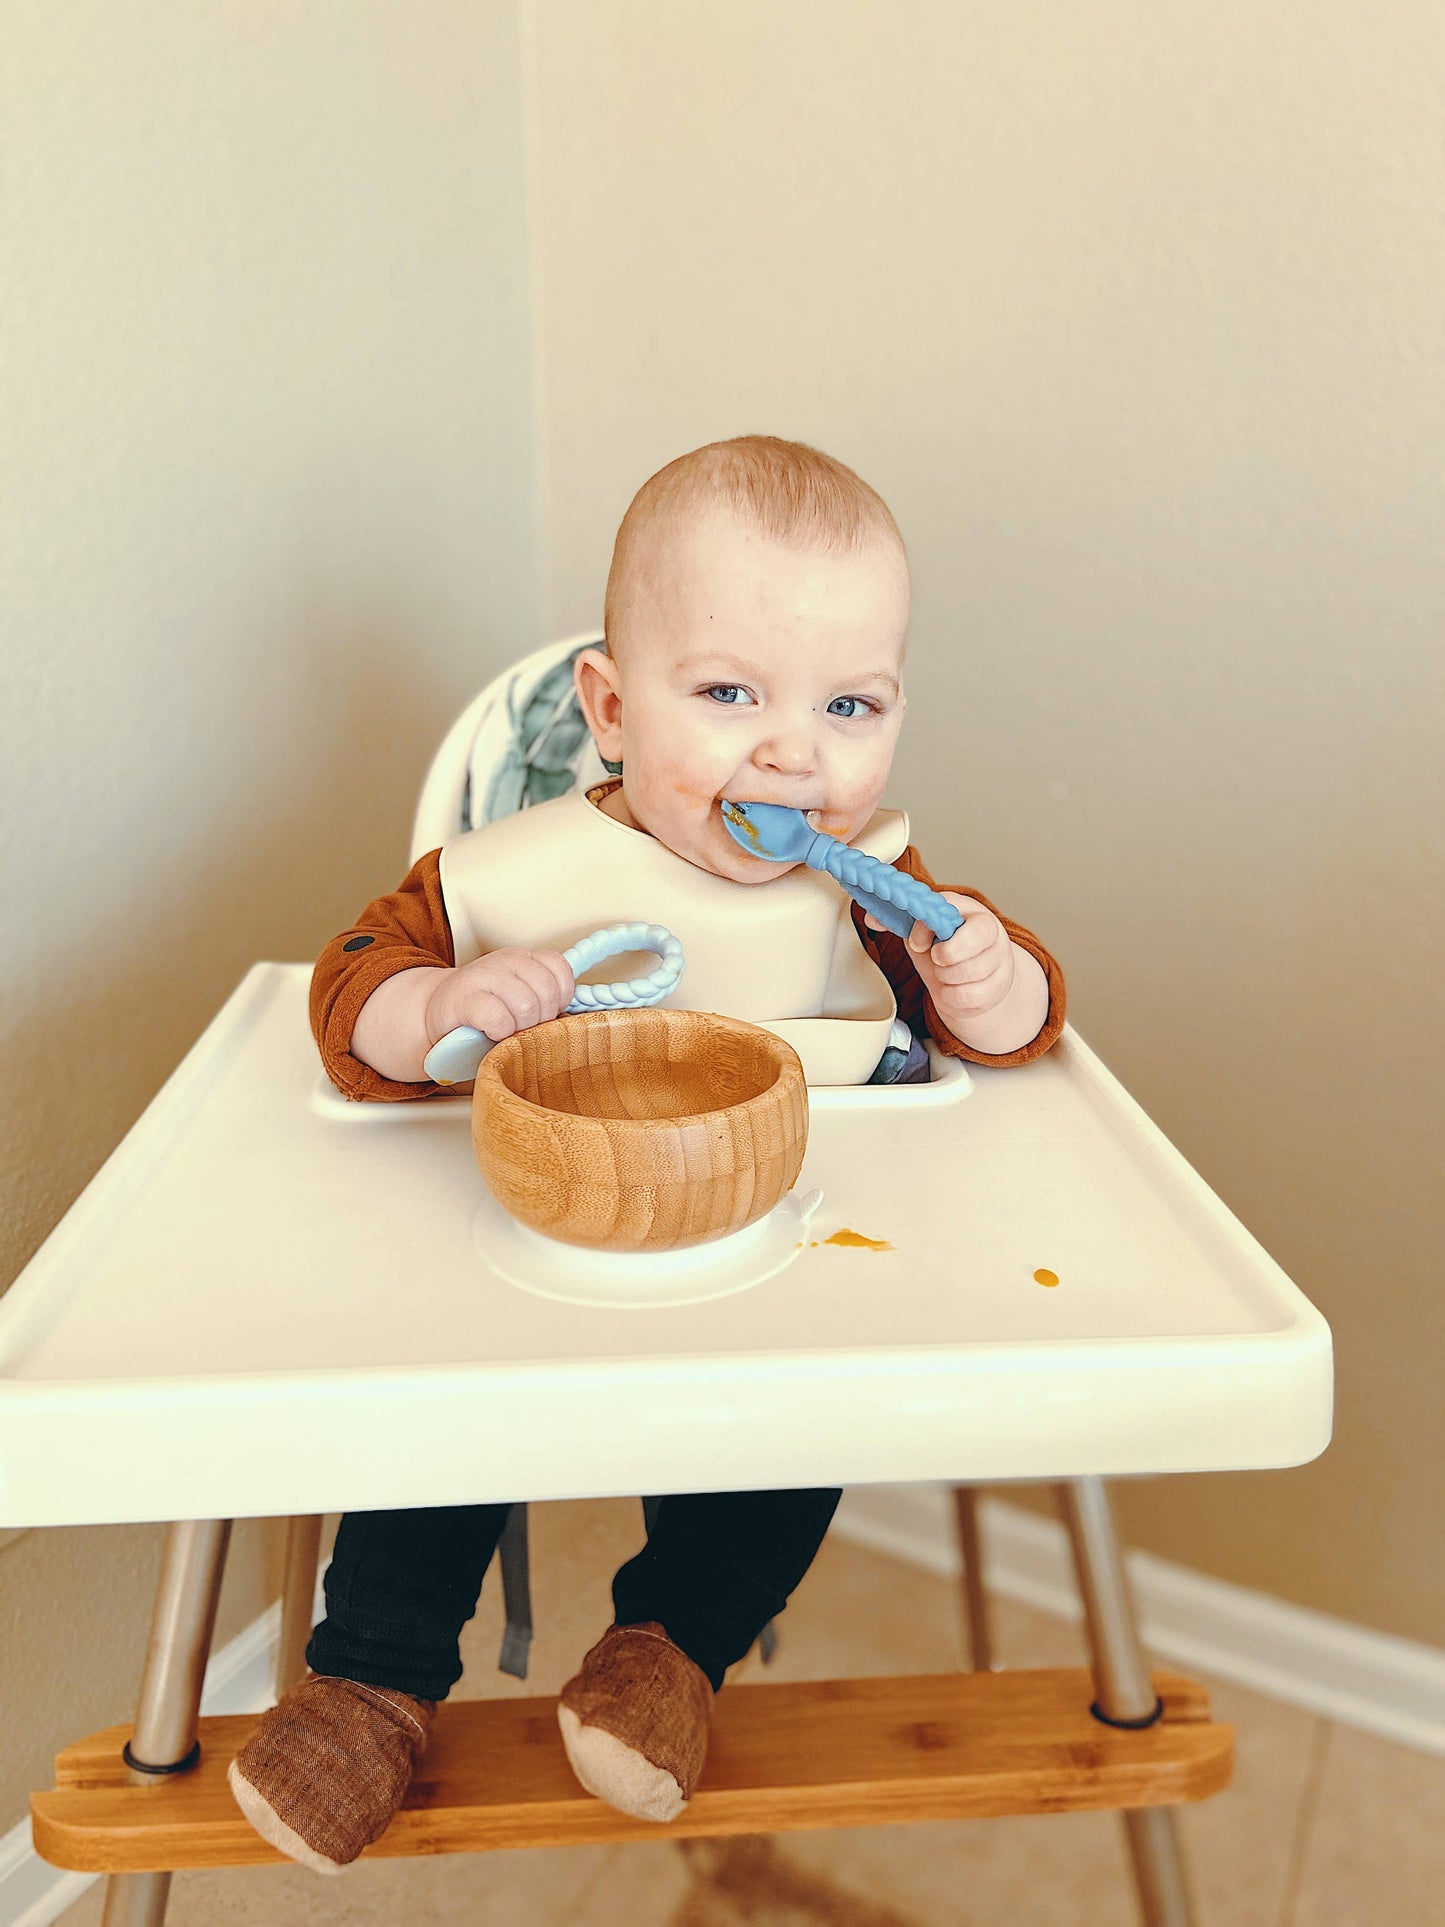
{"x": 458, "y": 1055}
{"x": 780, "y": 835}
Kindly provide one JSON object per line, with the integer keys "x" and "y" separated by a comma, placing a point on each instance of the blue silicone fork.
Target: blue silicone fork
{"x": 457, "y": 1056}
{"x": 780, "y": 835}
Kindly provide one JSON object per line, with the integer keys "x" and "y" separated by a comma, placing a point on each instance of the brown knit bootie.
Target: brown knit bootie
{"x": 635, "y": 1722}
{"x": 327, "y": 1767}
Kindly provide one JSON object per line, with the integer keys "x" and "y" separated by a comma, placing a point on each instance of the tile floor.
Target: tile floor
{"x": 1323, "y": 1826}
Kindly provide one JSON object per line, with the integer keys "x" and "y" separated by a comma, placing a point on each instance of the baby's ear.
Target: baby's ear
{"x": 599, "y": 692}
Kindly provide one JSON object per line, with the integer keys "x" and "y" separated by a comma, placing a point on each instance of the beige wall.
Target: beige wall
{"x": 1133, "y": 312}
{"x": 268, "y": 517}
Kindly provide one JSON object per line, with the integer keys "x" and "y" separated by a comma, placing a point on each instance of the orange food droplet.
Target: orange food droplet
{"x": 857, "y": 1242}
{"x": 1046, "y": 1277}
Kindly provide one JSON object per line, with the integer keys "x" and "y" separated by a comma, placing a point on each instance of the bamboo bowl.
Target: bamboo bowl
{"x": 640, "y": 1130}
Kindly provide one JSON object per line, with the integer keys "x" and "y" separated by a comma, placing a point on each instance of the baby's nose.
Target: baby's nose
{"x": 791, "y": 750}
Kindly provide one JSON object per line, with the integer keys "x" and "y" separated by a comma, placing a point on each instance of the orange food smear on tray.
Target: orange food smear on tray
{"x": 856, "y": 1241}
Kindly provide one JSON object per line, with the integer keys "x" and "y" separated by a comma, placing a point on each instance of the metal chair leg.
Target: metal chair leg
{"x": 1158, "y": 1866}
{"x": 136, "y": 1899}
{"x": 164, "y": 1738}
{"x": 513, "y": 1554}
{"x": 298, "y": 1599}
{"x": 975, "y": 1600}
{"x": 1125, "y": 1693}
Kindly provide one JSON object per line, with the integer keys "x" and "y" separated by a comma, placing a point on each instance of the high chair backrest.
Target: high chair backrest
{"x": 521, "y": 741}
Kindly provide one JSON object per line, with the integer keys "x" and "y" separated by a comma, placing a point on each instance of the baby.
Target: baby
{"x": 756, "y": 618}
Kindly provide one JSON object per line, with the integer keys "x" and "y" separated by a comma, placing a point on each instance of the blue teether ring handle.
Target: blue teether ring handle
{"x": 456, "y": 1058}
{"x": 895, "y": 899}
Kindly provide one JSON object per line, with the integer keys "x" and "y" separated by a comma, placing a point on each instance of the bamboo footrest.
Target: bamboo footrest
{"x": 833, "y": 1753}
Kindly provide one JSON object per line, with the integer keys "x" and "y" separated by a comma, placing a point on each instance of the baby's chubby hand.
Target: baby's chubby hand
{"x": 969, "y": 973}
{"x": 505, "y": 991}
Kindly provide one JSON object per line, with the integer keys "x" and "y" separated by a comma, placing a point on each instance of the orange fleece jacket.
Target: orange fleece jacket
{"x": 409, "y": 927}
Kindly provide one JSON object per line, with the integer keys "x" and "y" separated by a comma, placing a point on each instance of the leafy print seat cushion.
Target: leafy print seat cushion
{"x": 531, "y": 742}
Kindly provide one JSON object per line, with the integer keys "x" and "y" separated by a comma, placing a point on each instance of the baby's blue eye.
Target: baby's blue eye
{"x": 727, "y": 692}
{"x": 860, "y": 708}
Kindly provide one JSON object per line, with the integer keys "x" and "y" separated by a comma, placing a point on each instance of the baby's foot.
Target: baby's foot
{"x": 326, "y": 1769}
{"x": 635, "y": 1722}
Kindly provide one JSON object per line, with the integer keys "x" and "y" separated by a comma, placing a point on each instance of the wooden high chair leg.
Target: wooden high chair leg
{"x": 975, "y": 1599}
{"x": 298, "y": 1599}
{"x": 1124, "y": 1692}
{"x": 164, "y": 1736}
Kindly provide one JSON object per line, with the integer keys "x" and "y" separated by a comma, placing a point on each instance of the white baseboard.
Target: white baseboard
{"x": 239, "y": 1679}
{"x": 1393, "y": 1687}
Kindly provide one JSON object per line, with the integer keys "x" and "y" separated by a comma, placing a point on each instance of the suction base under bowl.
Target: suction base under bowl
{"x": 639, "y": 1280}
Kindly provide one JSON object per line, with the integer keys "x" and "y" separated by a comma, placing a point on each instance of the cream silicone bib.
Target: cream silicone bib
{"x": 783, "y": 955}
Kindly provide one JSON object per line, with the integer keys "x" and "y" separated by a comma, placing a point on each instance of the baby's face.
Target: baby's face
{"x": 757, "y": 673}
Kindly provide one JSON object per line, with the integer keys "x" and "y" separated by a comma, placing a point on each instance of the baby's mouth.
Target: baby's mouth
{"x": 810, "y": 810}
{"x": 743, "y": 820}
{"x": 817, "y": 815}
{"x": 731, "y": 807}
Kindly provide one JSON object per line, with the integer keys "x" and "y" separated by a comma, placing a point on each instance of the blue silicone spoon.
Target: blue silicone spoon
{"x": 780, "y": 835}
{"x": 456, "y": 1057}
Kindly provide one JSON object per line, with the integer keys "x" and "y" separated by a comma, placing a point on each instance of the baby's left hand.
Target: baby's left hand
{"x": 970, "y": 973}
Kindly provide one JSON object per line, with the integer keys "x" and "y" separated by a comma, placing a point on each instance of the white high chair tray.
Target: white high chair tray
{"x": 259, "y": 1309}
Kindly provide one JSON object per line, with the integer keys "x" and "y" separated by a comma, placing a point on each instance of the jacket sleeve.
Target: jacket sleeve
{"x": 915, "y": 1006}
{"x": 397, "y": 932}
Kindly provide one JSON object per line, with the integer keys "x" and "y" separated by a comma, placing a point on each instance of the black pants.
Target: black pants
{"x": 716, "y": 1568}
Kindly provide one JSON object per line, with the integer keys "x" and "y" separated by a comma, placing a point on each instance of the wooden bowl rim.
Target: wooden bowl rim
{"x": 789, "y": 1066}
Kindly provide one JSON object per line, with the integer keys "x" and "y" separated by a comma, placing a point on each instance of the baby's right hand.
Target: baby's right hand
{"x": 505, "y": 991}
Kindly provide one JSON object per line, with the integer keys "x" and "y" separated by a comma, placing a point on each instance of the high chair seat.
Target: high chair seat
{"x": 521, "y": 741}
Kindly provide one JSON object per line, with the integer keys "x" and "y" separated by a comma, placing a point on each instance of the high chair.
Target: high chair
{"x": 228, "y": 1277}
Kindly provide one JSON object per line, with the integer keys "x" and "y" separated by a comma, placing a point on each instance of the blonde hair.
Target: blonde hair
{"x": 786, "y": 490}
